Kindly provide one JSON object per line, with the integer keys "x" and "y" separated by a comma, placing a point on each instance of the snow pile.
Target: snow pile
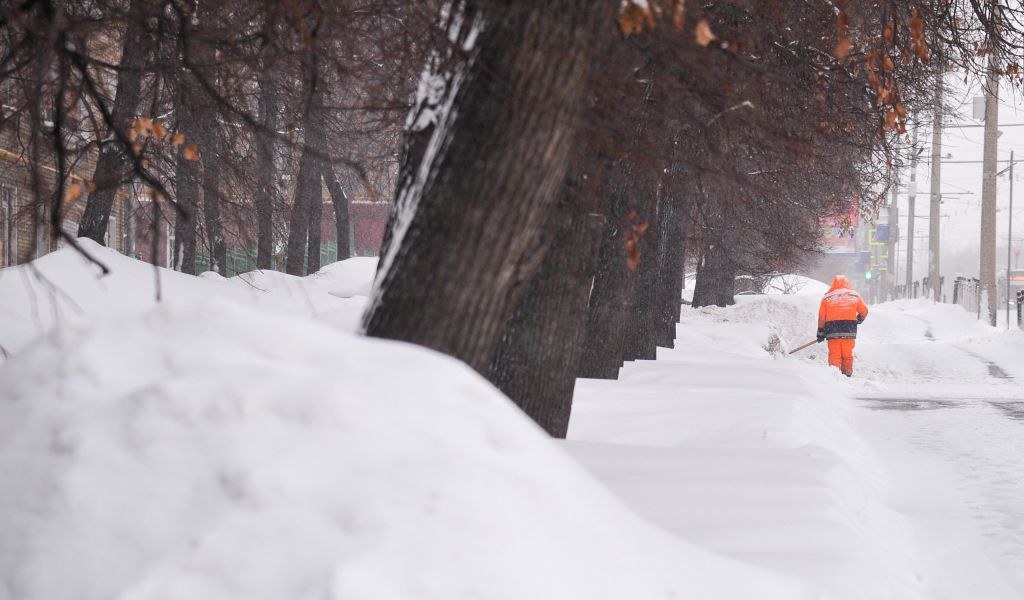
{"x": 213, "y": 451}
{"x": 774, "y": 323}
{"x": 351, "y": 277}
{"x": 64, "y": 287}
{"x": 785, "y": 284}
{"x": 791, "y": 283}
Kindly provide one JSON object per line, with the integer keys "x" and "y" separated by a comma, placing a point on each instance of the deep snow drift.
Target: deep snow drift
{"x": 210, "y": 448}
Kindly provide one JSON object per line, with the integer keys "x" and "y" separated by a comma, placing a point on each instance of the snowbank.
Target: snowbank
{"x": 64, "y": 287}
{"x": 773, "y": 323}
{"x": 795, "y": 284}
{"x": 787, "y": 284}
{"x": 208, "y": 450}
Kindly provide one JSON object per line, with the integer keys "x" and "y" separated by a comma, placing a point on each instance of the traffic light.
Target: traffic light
{"x": 867, "y": 275}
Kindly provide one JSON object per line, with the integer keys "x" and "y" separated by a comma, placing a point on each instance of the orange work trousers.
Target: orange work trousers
{"x": 840, "y": 354}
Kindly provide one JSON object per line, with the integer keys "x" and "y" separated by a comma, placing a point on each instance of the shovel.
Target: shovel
{"x": 810, "y": 343}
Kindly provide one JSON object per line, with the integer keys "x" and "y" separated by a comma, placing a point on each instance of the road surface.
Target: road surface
{"x": 943, "y": 405}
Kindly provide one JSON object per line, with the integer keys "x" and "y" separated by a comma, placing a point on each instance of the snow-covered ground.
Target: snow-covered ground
{"x": 238, "y": 439}
{"x": 904, "y": 482}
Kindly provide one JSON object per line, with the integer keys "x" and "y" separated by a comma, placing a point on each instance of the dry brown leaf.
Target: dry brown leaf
{"x": 72, "y": 193}
{"x": 178, "y": 139}
{"x": 916, "y": 24}
{"x": 633, "y": 18}
{"x": 632, "y": 252}
{"x": 191, "y": 152}
{"x": 159, "y": 131}
{"x": 679, "y": 14}
{"x": 842, "y": 23}
{"x": 843, "y": 48}
{"x": 703, "y": 34}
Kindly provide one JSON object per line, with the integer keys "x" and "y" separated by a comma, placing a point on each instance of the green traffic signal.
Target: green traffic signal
{"x": 867, "y": 275}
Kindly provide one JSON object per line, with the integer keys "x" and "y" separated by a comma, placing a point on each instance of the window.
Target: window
{"x": 8, "y": 228}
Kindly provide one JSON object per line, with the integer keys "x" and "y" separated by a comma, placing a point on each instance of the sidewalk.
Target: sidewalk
{"x": 751, "y": 455}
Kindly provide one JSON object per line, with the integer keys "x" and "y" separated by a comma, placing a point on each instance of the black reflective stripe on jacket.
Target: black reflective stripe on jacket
{"x": 837, "y": 330}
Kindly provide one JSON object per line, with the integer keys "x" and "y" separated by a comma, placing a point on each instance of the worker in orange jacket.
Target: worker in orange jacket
{"x": 841, "y": 311}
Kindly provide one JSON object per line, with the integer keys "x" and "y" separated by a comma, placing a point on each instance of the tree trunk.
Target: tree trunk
{"x": 307, "y": 182}
{"x": 213, "y": 218}
{"x": 315, "y": 212}
{"x": 611, "y": 299}
{"x": 210, "y": 156}
{"x": 207, "y": 132}
{"x": 716, "y": 277}
{"x": 474, "y": 205}
{"x": 641, "y": 325}
{"x": 266, "y": 171}
{"x": 186, "y": 189}
{"x": 604, "y": 344}
{"x": 674, "y": 216}
{"x": 186, "y": 195}
{"x": 317, "y": 143}
{"x": 539, "y": 354}
{"x": 302, "y": 256}
{"x": 341, "y": 210}
{"x": 114, "y": 163}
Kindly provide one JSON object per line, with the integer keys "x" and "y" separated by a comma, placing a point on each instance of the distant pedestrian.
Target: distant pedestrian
{"x": 842, "y": 310}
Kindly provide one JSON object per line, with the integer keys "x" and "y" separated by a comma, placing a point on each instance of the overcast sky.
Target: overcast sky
{"x": 961, "y": 183}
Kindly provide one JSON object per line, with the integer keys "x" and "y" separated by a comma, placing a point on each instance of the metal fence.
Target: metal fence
{"x": 967, "y": 293}
{"x": 1020, "y": 306}
{"x": 917, "y": 289}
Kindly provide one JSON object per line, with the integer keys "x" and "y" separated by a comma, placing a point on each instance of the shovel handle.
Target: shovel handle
{"x": 810, "y": 343}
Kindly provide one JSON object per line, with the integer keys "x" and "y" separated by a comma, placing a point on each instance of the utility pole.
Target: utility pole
{"x": 894, "y": 236}
{"x": 911, "y": 197}
{"x": 987, "y": 271}
{"x": 934, "y": 278}
{"x": 1009, "y": 243}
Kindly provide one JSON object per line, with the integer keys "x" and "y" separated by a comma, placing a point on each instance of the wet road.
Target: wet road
{"x": 945, "y": 408}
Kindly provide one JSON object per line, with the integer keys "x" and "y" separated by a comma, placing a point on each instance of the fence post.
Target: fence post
{"x": 976, "y": 295}
{"x": 1020, "y": 305}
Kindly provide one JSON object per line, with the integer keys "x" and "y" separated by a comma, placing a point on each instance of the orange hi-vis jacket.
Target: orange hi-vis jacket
{"x": 841, "y": 310}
